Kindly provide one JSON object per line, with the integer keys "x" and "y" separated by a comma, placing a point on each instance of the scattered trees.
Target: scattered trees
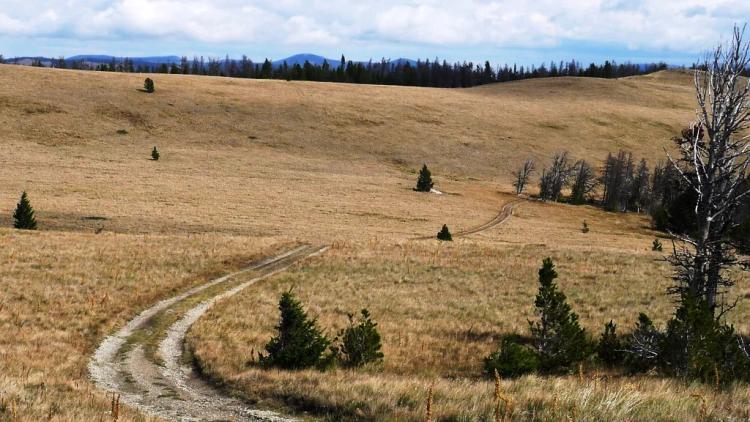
{"x": 424, "y": 181}
{"x": 300, "y": 344}
{"x": 148, "y": 85}
{"x": 522, "y": 176}
{"x": 23, "y": 217}
{"x": 444, "y": 234}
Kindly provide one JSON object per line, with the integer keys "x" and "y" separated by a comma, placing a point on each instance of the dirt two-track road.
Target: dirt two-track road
{"x": 166, "y": 386}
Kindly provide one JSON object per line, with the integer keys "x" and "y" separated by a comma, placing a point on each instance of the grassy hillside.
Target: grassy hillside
{"x": 250, "y": 165}
{"x": 235, "y": 150}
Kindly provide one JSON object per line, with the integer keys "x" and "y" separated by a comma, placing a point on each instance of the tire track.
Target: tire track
{"x": 172, "y": 390}
{"x": 505, "y": 213}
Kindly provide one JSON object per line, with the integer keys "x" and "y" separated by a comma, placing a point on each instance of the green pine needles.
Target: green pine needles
{"x": 360, "y": 343}
{"x": 23, "y": 217}
{"x": 444, "y": 234}
{"x": 424, "y": 181}
{"x": 558, "y": 337}
{"x": 298, "y": 344}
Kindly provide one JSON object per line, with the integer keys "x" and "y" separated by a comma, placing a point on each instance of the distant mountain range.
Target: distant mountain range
{"x": 95, "y": 59}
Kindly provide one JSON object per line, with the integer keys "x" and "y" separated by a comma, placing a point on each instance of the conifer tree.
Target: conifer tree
{"x": 444, "y": 234}
{"x": 360, "y": 343}
{"x": 155, "y": 154}
{"x": 558, "y": 337}
{"x": 148, "y": 85}
{"x": 299, "y": 343}
{"x": 24, "y": 215}
{"x": 610, "y": 348}
{"x": 424, "y": 182}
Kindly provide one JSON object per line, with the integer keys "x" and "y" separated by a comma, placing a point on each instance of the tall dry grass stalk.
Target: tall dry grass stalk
{"x": 429, "y": 417}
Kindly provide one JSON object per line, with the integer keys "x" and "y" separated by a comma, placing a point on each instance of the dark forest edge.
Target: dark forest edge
{"x": 424, "y": 73}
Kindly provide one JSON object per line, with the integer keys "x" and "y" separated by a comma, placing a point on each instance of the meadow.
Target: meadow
{"x": 250, "y": 166}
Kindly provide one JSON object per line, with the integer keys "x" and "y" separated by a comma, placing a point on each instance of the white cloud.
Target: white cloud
{"x": 680, "y": 25}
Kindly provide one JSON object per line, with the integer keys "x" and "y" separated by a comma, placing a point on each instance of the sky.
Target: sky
{"x": 523, "y": 32}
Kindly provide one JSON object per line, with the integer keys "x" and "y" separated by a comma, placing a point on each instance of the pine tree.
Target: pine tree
{"x": 558, "y": 337}
{"x": 155, "y": 154}
{"x": 360, "y": 343}
{"x": 148, "y": 85}
{"x": 24, "y": 215}
{"x": 299, "y": 343}
{"x": 424, "y": 182}
{"x": 610, "y": 348}
{"x": 444, "y": 234}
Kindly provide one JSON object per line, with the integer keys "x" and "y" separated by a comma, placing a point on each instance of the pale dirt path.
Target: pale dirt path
{"x": 172, "y": 390}
{"x": 505, "y": 213}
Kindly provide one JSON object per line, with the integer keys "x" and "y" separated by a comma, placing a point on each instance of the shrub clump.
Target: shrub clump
{"x": 299, "y": 344}
{"x": 558, "y": 337}
{"x": 656, "y": 246}
{"x": 148, "y": 85}
{"x": 424, "y": 181}
{"x": 444, "y": 234}
{"x": 512, "y": 359}
{"x": 360, "y": 342}
{"x": 23, "y": 217}
{"x": 155, "y": 154}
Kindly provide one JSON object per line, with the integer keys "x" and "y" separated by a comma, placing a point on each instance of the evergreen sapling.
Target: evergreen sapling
{"x": 23, "y": 217}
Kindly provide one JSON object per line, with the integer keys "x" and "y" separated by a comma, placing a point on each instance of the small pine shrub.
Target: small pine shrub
{"x": 424, "y": 181}
{"x": 512, "y": 360}
{"x": 360, "y": 343}
{"x": 148, "y": 85}
{"x": 299, "y": 343}
{"x": 585, "y": 227}
{"x": 23, "y": 217}
{"x": 155, "y": 154}
{"x": 610, "y": 348}
{"x": 656, "y": 246}
{"x": 558, "y": 337}
{"x": 444, "y": 234}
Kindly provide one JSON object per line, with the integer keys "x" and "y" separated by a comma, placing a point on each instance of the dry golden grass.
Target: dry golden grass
{"x": 312, "y": 159}
{"x": 442, "y": 307}
{"x": 244, "y": 161}
{"x": 63, "y": 292}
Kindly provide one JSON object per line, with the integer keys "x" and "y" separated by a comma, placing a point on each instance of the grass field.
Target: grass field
{"x": 442, "y": 307}
{"x": 248, "y": 166}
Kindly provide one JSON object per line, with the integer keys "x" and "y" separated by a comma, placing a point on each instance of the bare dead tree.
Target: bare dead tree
{"x": 555, "y": 179}
{"x": 522, "y": 175}
{"x": 714, "y": 160}
{"x": 584, "y": 182}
